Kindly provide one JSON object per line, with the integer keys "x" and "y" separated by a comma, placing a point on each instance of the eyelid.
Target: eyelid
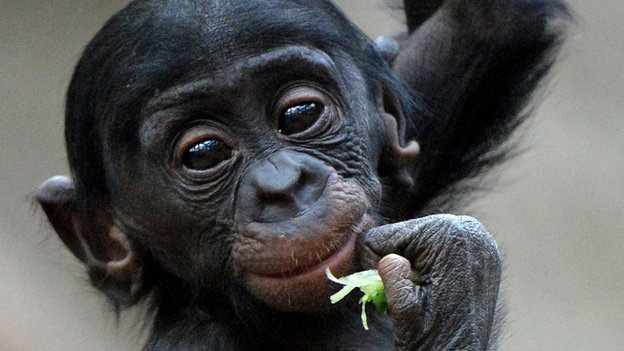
{"x": 289, "y": 97}
{"x": 196, "y": 135}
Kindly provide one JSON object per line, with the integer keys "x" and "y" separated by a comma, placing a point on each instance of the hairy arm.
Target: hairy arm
{"x": 471, "y": 66}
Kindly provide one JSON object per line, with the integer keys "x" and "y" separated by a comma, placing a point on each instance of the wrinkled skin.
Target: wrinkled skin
{"x": 460, "y": 268}
{"x": 225, "y": 153}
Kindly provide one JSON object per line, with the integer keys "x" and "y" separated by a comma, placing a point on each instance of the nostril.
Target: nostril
{"x": 309, "y": 188}
{"x": 274, "y": 196}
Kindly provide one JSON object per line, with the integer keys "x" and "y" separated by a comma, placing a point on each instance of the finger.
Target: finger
{"x": 368, "y": 258}
{"x": 401, "y": 293}
{"x": 395, "y": 237}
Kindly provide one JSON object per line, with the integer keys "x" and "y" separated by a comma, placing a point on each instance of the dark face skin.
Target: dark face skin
{"x": 283, "y": 153}
{"x": 224, "y": 154}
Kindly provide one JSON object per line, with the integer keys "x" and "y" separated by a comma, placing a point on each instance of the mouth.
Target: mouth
{"x": 305, "y": 288}
{"x": 334, "y": 261}
{"x": 283, "y": 264}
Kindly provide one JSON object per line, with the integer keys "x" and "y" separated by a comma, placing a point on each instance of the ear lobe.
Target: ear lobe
{"x": 113, "y": 264}
{"x": 398, "y": 155}
{"x": 119, "y": 276}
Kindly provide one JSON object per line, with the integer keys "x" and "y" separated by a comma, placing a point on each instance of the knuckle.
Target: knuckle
{"x": 374, "y": 239}
{"x": 467, "y": 232}
{"x": 380, "y": 238}
{"x": 480, "y": 238}
{"x": 369, "y": 258}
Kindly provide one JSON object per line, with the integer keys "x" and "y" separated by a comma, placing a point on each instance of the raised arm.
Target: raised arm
{"x": 472, "y": 66}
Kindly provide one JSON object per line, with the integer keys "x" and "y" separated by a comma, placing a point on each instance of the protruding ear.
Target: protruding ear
{"x": 113, "y": 265}
{"x": 398, "y": 154}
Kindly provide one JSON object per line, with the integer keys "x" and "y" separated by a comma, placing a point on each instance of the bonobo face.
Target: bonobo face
{"x": 260, "y": 171}
{"x": 230, "y": 147}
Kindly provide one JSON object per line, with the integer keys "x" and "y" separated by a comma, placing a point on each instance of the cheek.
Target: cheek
{"x": 363, "y": 154}
{"x": 184, "y": 238}
{"x": 377, "y": 136}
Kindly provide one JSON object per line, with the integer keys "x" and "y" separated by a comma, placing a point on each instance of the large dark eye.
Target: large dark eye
{"x": 206, "y": 154}
{"x": 297, "y": 118}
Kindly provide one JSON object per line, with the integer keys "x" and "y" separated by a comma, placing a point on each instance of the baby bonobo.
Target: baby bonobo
{"x": 225, "y": 153}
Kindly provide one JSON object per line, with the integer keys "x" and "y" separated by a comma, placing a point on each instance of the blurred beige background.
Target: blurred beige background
{"x": 556, "y": 210}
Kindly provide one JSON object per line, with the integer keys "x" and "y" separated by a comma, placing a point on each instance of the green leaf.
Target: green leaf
{"x": 341, "y": 293}
{"x": 369, "y": 282}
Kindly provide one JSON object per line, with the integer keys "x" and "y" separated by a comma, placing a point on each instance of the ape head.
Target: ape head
{"x": 224, "y": 153}
{"x": 228, "y": 148}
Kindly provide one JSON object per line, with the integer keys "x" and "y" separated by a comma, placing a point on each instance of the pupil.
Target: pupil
{"x": 206, "y": 155}
{"x": 299, "y": 118}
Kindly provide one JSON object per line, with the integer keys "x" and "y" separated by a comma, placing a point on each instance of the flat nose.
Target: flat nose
{"x": 279, "y": 179}
{"x": 281, "y": 187}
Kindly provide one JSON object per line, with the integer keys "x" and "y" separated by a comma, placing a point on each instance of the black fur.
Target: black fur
{"x": 472, "y": 94}
{"x": 461, "y": 100}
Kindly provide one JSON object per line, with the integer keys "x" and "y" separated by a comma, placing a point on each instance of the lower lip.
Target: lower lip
{"x": 337, "y": 262}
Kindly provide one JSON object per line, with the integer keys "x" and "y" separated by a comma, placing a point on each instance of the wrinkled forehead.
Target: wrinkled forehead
{"x": 153, "y": 45}
{"x": 217, "y": 32}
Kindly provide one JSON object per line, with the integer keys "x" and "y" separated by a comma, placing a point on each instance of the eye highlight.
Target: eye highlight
{"x": 206, "y": 154}
{"x": 297, "y": 118}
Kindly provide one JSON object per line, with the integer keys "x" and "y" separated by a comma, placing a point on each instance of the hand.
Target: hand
{"x": 453, "y": 307}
